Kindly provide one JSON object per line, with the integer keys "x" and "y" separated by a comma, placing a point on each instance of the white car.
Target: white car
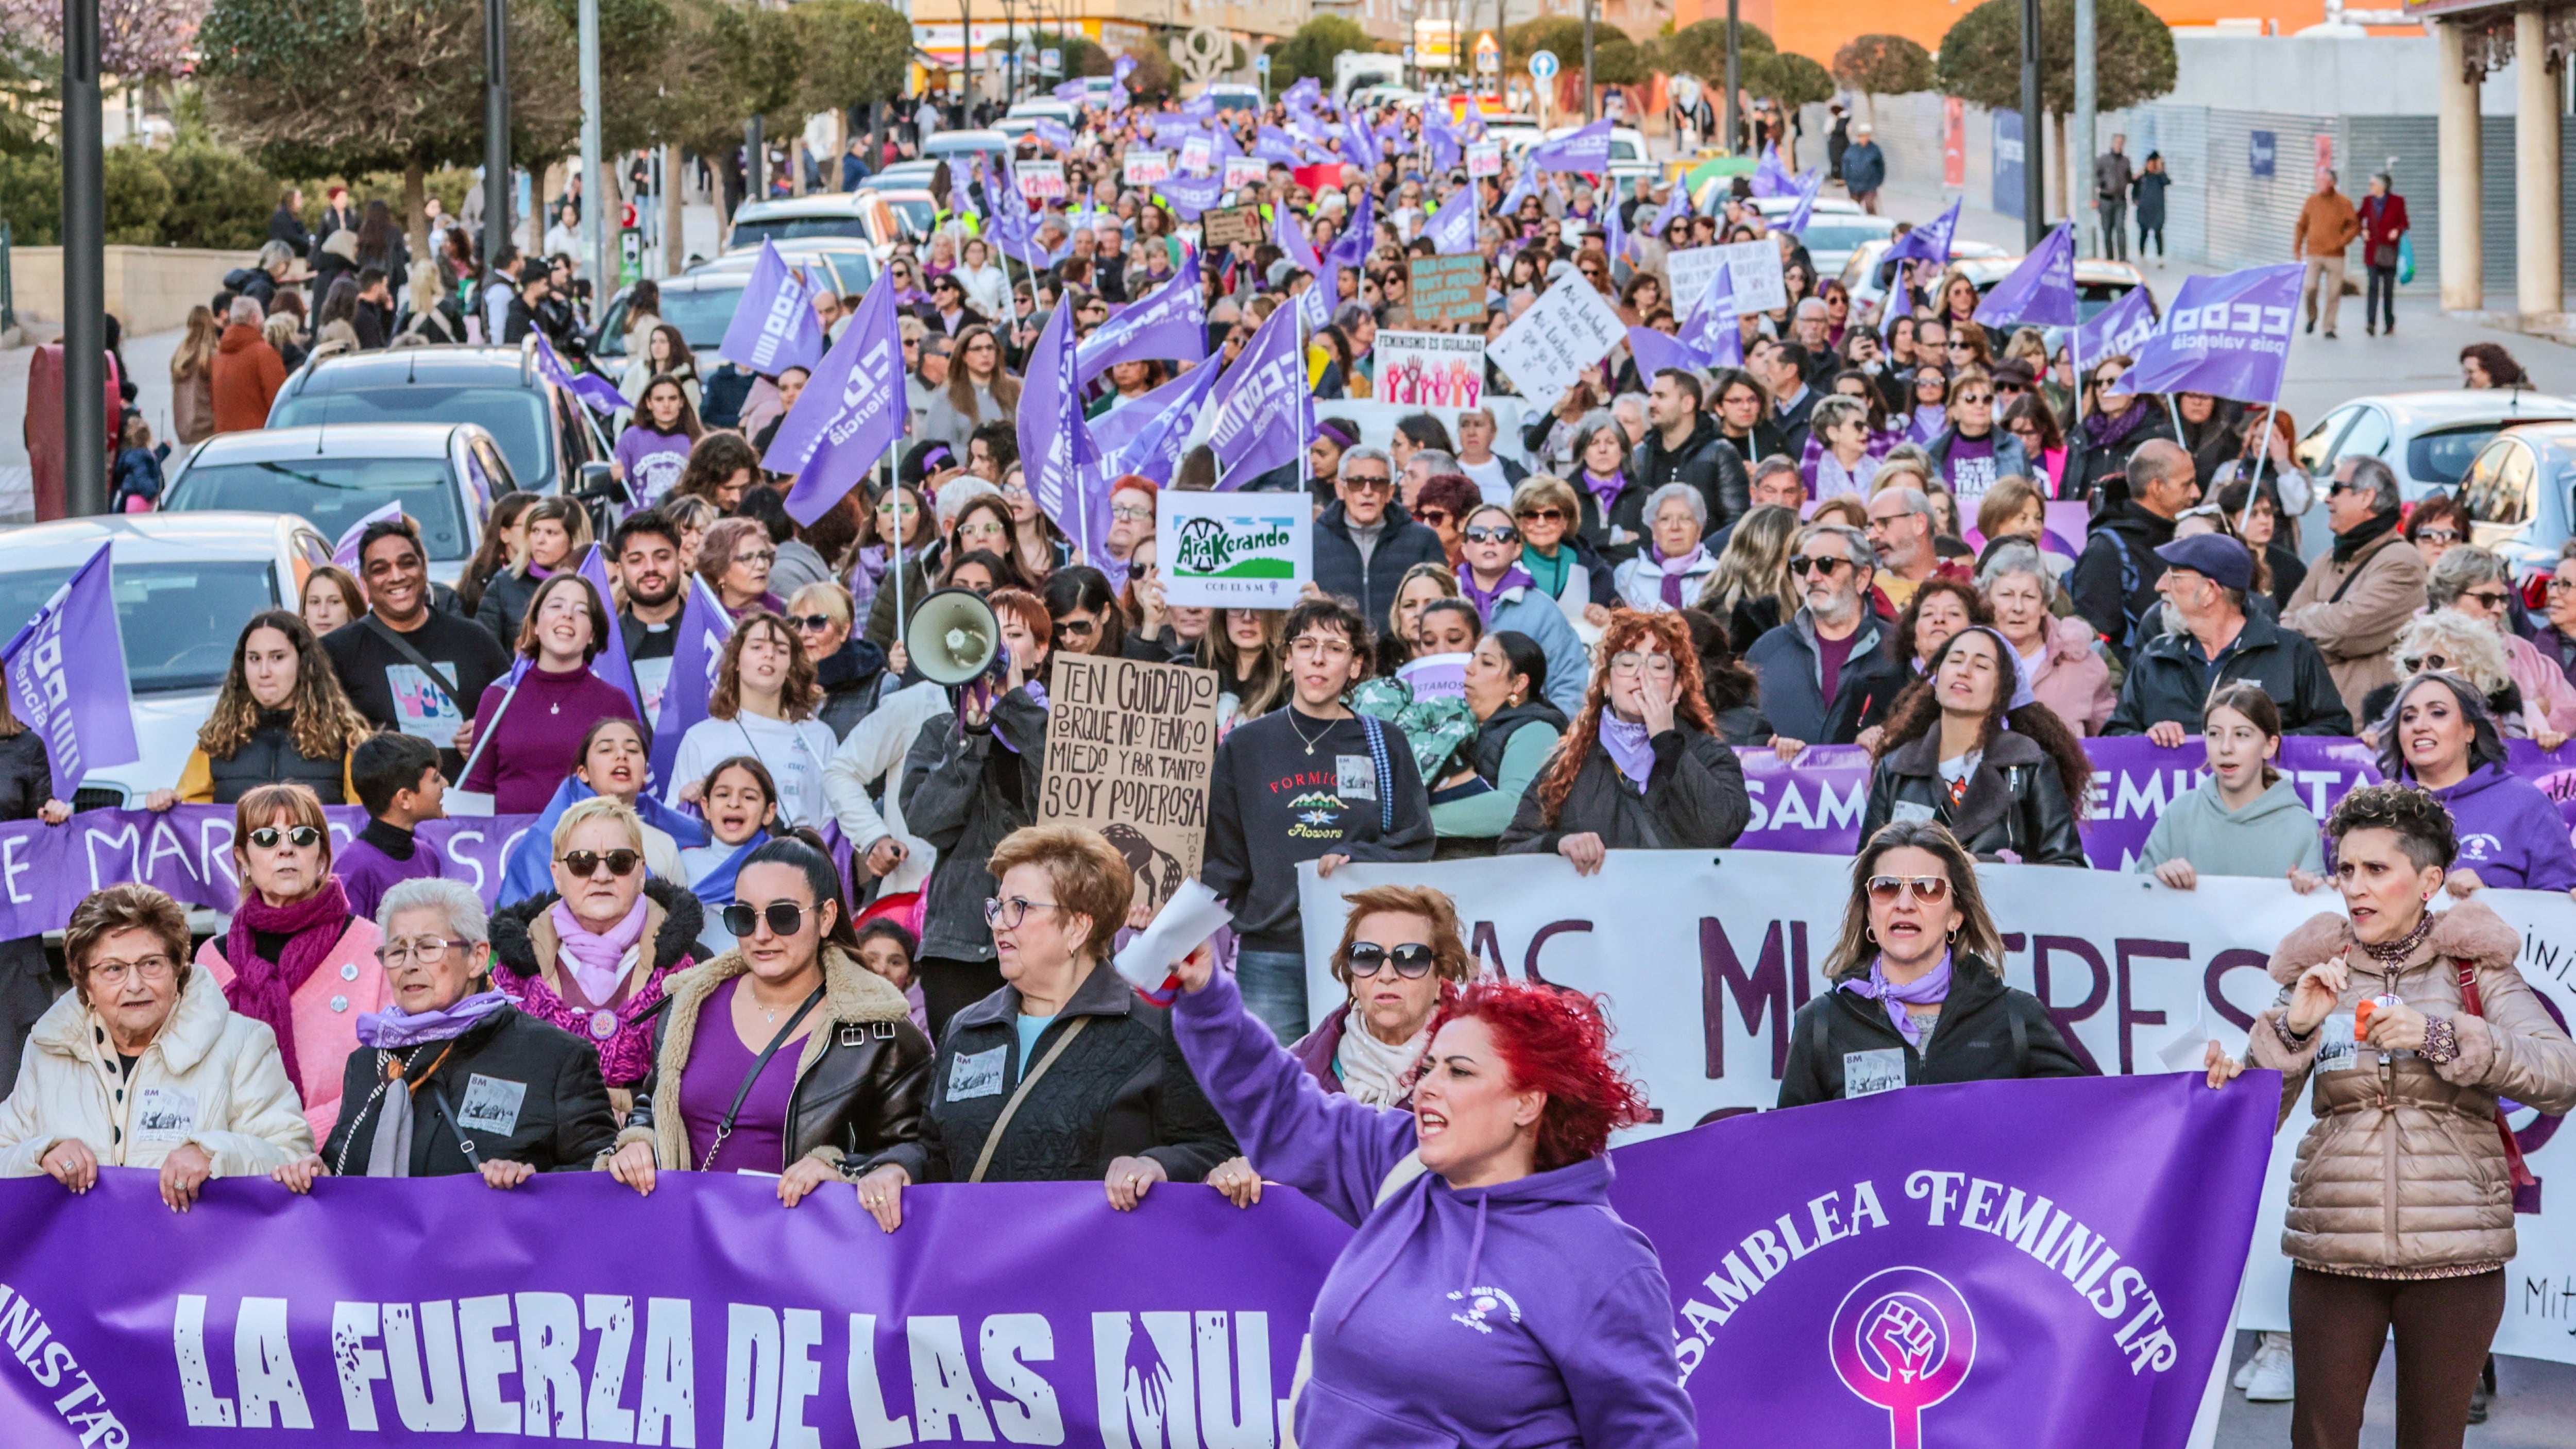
{"x": 2428, "y": 438}
{"x": 185, "y": 585}
{"x": 445, "y": 475}
{"x": 1630, "y": 163}
{"x": 865, "y": 215}
{"x": 1860, "y": 270}
{"x": 1042, "y": 108}
{"x": 1835, "y": 229}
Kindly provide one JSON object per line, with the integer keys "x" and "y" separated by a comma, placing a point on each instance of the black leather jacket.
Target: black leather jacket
{"x": 1705, "y": 461}
{"x": 2014, "y": 802}
{"x": 862, "y": 1072}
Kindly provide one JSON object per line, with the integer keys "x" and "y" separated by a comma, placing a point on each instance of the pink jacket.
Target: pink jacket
{"x": 2073, "y": 680}
{"x": 327, "y": 1007}
{"x": 2546, "y": 694}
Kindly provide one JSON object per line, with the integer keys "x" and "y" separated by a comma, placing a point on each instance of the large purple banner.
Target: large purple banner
{"x": 1959, "y": 1265}
{"x": 1027, "y": 1313}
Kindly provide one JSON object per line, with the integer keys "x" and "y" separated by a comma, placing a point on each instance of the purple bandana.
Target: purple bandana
{"x": 1604, "y": 489}
{"x": 394, "y": 1028}
{"x": 1514, "y": 577}
{"x": 1931, "y": 987}
{"x": 1629, "y": 747}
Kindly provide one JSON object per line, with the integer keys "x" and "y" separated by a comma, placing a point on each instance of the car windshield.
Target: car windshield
{"x": 918, "y": 216}
{"x": 703, "y": 313}
{"x": 179, "y": 619}
{"x": 796, "y": 228}
{"x": 2441, "y": 458}
{"x": 515, "y": 417}
{"x": 333, "y": 494}
{"x": 1823, "y": 235}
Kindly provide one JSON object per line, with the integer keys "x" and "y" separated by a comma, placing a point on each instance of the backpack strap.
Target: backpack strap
{"x": 2020, "y": 1038}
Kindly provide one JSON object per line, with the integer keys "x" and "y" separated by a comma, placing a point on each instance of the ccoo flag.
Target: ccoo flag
{"x": 91, "y": 726}
{"x": 1452, "y": 228}
{"x": 1584, "y": 149}
{"x": 851, "y": 411}
{"x": 2040, "y": 291}
{"x": 345, "y": 552}
{"x": 1265, "y": 415}
{"x": 2226, "y": 336}
{"x": 1169, "y": 325}
{"x": 774, "y": 327}
{"x": 695, "y": 657}
{"x": 1056, "y": 449}
{"x": 2120, "y": 329}
{"x": 1154, "y": 449}
{"x": 1929, "y": 242}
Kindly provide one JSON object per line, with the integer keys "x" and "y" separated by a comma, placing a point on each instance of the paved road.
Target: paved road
{"x": 2535, "y": 1408}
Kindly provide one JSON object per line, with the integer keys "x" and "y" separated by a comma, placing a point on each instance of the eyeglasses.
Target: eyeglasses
{"x": 1130, "y": 513}
{"x": 1974, "y": 399}
{"x": 1321, "y": 646}
{"x": 1959, "y": 344}
{"x": 1801, "y": 566}
{"x": 584, "y": 864}
{"x": 2431, "y": 535}
{"x": 815, "y": 622}
{"x": 1075, "y": 628}
{"x": 113, "y": 972}
{"x": 423, "y": 949}
{"x": 1431, "y": 517}
{"x": 1630, "y": 662}
{"x": 757, "y": 556}
{"x": 1368, "y": 482}
{"x": 1493, "y": 533}
{"x": 785, "y": 918}
{"x": 1931, "y": 890}
{"x": 1412, "y": 960}
{"x": 2108, "y": 379}
{"x": 302, "y": 837}
{"x": 1007, "y": 915}
{"x": 2418, "y": 663}
{"x": 2486, "y": 598}
{"x": 2560, "y": 586}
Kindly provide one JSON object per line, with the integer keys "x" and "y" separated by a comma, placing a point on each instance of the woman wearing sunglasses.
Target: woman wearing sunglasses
{"x": 1565, "y": 567}
{"x": 784, "y": 1055}
{"x": 1919, "y": 995}
{"x": 295, "y": 957}
{"x": 591, "y": 955}
{"x": 2114, "y": 424}
{"x": 1491, "y": 577}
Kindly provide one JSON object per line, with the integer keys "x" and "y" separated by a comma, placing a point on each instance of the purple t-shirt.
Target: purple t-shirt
{"x": 1970, "y": 468}
{"x": 1830, "y": 654}
{"x": 540, "y": 736}
{"x": 652, "y": 460}
{"x": 718, "y": 1061}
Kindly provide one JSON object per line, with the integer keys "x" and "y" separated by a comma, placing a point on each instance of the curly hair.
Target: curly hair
{"x": 1975, "y": 603}
{"x": 798, "y": 697}
{"x": 326, "y": 725}
{"x": 1628, "y": 630}
{"x": 1917, "y": 712}
{"x": 712, "y": 464}
{"x": 1557, "y": 1042}
{"x": 2421, "y": 823}
{"x": 117, "y": 908}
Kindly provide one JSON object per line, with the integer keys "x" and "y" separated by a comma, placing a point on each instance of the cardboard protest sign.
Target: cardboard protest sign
{"x": 1233, "y": 550}
{"x": 1436, "y": 676}
{"x": 1041, "y": 180}
{"x": 1130, "y": 747}
{"x": 1145, "y": 168}
{"x": 1447, "y": 289}
{"x": 1569, "y": 329}
{"x": 1753, "y": 270}
{"x": 1433, "y": 369}
{"x": 1227, "y": 225}
{"x": 1198, "y": 154}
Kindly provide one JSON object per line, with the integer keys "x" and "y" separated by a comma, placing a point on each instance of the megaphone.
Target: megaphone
{"x": 954, "y": 637}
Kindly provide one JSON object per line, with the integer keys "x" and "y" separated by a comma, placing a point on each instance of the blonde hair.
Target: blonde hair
{"x": 598, "y": 807}
{"x": 827, "y": 597}
{"x": 1090, "y": 878}
{"x": 2469, "y": 649}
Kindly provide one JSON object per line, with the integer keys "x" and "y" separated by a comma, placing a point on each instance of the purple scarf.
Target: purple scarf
{"x": 394, "y": 1028}
{"x": 1514, "y": 577}
{"x": 2102, "y": 432}
{"x": 1604, "y": 489}
{"x": 264, "y": 990}
{"x": 1674, "y": 570}
{"x": 1931, "y": 987}
{"x": 1629, "y": 747}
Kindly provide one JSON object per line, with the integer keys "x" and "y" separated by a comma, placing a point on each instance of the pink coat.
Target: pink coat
{"x": 326, "y": 1006}
{"x": 2073, "y": 680}
{"x": 2546, "y": 694}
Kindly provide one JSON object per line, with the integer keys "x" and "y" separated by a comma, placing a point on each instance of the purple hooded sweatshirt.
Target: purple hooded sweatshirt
{"x": 2510, "y": 833}
{"x": 1523, "y": 1315}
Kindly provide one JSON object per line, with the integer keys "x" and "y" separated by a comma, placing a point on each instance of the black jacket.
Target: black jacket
{"x": 2015, "y": 800}
{"x": 271, "y": 757}
{"x": 850, "y": 678}
{"x": 862, "y": 1071}
{"x": 1370, "y": 583}
{"x": 285, "y": 226}
{"x": 2113, "y": 582}
{"x": 963, "y": 790}
{"x": 1705, "y": 461}
{"x": 519, "y": 1090}
{"x": 2090, "y": 465}
{"x": 1793, "y": 683}
{"x": 1988, "y": 1032}
{"x": 2167, "y": 681}
{"x": 505, "y": 606}
{"x": 1121, "y": 1089}
{"x": 1694, "y": 799}
{"x": 1625, "y": 516}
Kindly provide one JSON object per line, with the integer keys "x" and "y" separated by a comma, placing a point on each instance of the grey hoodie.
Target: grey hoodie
{"x": 2265, "y": 838}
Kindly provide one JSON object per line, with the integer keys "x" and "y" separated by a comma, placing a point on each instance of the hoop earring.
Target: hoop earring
{"x": 1870, "y": 933}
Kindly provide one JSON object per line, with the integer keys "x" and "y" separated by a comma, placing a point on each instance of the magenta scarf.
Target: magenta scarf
{"x": 265, "y": 990}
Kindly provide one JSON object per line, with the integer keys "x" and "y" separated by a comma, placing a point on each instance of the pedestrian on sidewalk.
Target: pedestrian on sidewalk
{"x": 1864, "y": 168}
{"x": 2150, "y": 191}
{"x": 2383, "y": 227}
{"x": 2327, "y": 226}
{"x": 2112, "y": 175}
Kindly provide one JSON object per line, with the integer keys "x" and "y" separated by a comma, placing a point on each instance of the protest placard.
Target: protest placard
{"x": 1433, "y": 369}
{"x": 1243, "y": 171}
{"x": 1233, "y": 550}
{"x": 1571, "y": 328}
{"x": 1436, "y": 676}
{"x": 1041, "y": 180}
{"x": 1689, "y": 271}
{"x": 1753, "y": 270}
{"x": 1198, "y": 154}
{"x": 1227, "y": 225}
{"x": 1144, "y": 168}
{"x": 1484, "y": 158}
{"x": 1130, "y": 746}
{"x": 1448, "y": 289}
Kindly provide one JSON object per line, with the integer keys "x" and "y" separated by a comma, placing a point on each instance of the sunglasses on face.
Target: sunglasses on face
{"x": 1544, "y": 515}
{"x": 1975, "y": 399}
{"x": 2418, "y": 663}
{"x": 2430, "y": 535}
{"x": 1412, "y": 960}
{"x": 1367, "y": 483}
{"x": 302, "y": 837}
{"x": 1432, "y": 517}
{"x": 817, "y": 623}
{"x": 2486, "y": 598}
{"x": 785, "y": 918}
{"x": 1493, "y": 534}
{"x": 585, "y": 864}
{"x": 1801, "y": 566}
{"x": 1931, "y": 890}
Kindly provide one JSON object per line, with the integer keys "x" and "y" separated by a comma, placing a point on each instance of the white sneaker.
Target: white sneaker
{"x": 2270, "y": 1381}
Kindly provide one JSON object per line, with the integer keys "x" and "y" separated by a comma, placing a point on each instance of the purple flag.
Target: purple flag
{"x": 1900, "y": 303}
{"x": 345, "y": 552}
{"x": 1805, "y": 212}
{"x": 1677, "y": 204}
{"x": 1306, "y": 92}
{"x": 598, "y": 392}
{"x": 1930, "y": 242}
{"x": 1584, "y": 149}
{"x": 1191, "y": 195}
{"x": 1360, "y": 144}
{"x": 1614, "y": 232}
{"x": 89, "y": 726}
{"x": 1351, "y": 247}
{"x": 1771, "y": 177}
{"x": 1830, "y": 1288}
{"x": 1072, "y": 90}
{"x": 1169, "y": 324}
{"x": 774, "y": 327}
{"x": 1273, "y": 144}
{"x": 1052, "y": 132}
{"x": 1056, "y": 448}
{"x": 611, "y": 665}
{"x": 2120, "y": 329}
{"x": 1154, "y": 448}
{"x": 1121, "y": 68}
{"x": 2228, "y": 336}
{"x": 1709, "y": 328}
{"x": 851, "y": 411}
{"x": 1452, "y": 228}
{"x": 1442, "y": 142}
{"x": 695, "y": 657}
{"x": 1264, "y": 414}
{"x": 2041, "y": 290}
{"x": 1199, "y": 108}
{"x": 1655, "y": 351}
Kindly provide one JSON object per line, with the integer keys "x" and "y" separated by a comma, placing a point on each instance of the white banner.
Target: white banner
{"x": 1234, "y": 550}
{"x": 1567, "y": 330}
{"x": 1040, "y": 180}
{"x": 1430, "y": 369}
{"x": 1198, "y": 154}
{"x": 1242, "y": 171}
{"x": 1144, "y": 168}
{"x": 1484, "y": 158}
{"x": 1702, "y": 958}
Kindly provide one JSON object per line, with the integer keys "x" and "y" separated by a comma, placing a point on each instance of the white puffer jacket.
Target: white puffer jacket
{"x": 212, "y": 1077}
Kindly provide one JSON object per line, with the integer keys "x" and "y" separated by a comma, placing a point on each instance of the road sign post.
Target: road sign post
{"x": 1542, "y": 69}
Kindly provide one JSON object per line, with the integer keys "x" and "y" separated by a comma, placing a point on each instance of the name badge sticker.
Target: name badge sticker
{"x": 491, "y": 1105}
{"x": 1866, "y": 1074}
{"x": 978, "y": 1074}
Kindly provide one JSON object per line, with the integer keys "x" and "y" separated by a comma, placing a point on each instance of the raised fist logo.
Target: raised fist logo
{"x": 1904, "y": 1341}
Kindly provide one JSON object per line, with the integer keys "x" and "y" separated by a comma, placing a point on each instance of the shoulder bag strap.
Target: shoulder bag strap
{"x": 420, "y": 661}
{"x": 447, "y": 1114}
{"x": 2359, "y": 561}
{"x": 993, "y": 1139}
{"x": 2475, "y": 1005}
{"x": 742, "y": 1093}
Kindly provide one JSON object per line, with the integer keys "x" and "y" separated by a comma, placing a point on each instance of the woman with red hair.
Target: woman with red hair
{"x": 1485, "y": 1205}
{"x": 1643, "y": 767}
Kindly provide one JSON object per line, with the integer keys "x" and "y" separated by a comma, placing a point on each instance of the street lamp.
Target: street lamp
{"x": 84, "y": 267}
{"x": 496, "y": 129}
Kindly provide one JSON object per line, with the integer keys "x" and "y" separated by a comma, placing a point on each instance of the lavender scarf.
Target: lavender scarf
{"x": 1675, "y": 571}
{"x": 1514, "y": 577}
{"x": 1930, "y": 988}
{"x": 394, "y": 1028}
{"x": 1629, "y": 747}
{"x": 599, "y": 961}
{"x": 1604, "y": 489}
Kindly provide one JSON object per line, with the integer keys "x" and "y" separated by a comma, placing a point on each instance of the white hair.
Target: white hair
{"x": 453, "y": 898}
{"x": 1655, "y": 502}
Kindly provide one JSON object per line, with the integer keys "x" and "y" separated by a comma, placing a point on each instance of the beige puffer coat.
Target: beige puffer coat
{"x": 2414, "y": 1184}
{"x": 212, "y": 1077}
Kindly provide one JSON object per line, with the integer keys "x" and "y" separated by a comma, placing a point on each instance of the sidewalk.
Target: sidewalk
{"x": 149, "y": 360}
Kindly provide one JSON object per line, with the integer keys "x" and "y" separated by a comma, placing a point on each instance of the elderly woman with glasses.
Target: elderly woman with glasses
{"x": 1065, "y": 1073}
{"x": 1560, "y": 561}
{"x": 1669, "y": 572}
{"x": 142, "y": 1065}
{"x": 2475, "y": 582}
{"x": 451, "y": 1078}
{"x": 734, "y": 557}
{"x": 1919, "y": 994}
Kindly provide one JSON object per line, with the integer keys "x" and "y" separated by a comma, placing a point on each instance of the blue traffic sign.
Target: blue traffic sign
{"x": 1542, "y": 64}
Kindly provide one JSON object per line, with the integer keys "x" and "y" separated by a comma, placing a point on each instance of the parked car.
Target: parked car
{"x": 1835, "y": 229}
{"x": 1629, "y": 161}
{"x": 543, "y": 431}
{"x": 445, "y": 475}
{"x": 902, "y": 175}
{"x": 2520, "y": 491}
{"x": 846, "y": 264}
{"x": 960, "y": 146}
{"x": 1042, "y": 108}
{"x": 867, "y": 216}
{"x": 701, "y": 301}
{"x": 2429, "y": 438}
{"x": 185, "y": 584}
{"x": 1236, "y": 96}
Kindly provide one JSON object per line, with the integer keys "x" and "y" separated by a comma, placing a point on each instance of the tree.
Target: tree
{"x": 1980, "y": 59}
{"x": 1309, "y": 53}
{"x": 1789, "y": 78}
{"x": 1699, "y": 49}
{"x": 1153, "y": 78}
{"x": 854, "y": 53}
{"x": 138, "y": 39}
{"x": 1884, "y": 65}
{"x": 761, "y": 57}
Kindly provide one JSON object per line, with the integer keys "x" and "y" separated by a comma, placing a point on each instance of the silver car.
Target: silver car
{"x": 445, "y": 475}
{"x": 2429, "y": 438}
